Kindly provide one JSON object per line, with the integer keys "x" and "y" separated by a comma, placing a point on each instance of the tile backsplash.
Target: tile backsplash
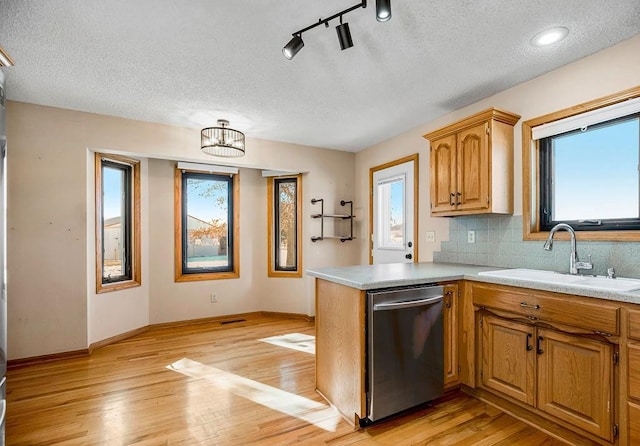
{"x": 498, "y": 242}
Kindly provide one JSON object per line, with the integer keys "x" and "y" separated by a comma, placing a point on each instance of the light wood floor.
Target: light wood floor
{"x": 214, "y": 384}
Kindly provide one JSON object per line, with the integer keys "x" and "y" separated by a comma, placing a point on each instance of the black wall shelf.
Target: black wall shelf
{"x": 322, "y": 216}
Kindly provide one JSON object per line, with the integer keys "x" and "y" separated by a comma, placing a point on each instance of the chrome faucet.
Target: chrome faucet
{"x": 574, "y": 264}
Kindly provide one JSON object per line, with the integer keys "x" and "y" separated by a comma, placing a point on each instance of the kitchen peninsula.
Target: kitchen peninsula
{"x": 340, "y": 323}
{"x": 575, "y": 338}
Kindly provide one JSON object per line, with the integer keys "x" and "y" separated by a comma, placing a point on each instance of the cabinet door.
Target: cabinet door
{"x": 575, "y": 381}
{"x": 450, "y": 322}
{"x": 508, "y": 358}
{"x": 633, "y": 370}
{"x": 634, "y": 423}
{"x": 473, "y": 168}
{"x": 443, "y": 174}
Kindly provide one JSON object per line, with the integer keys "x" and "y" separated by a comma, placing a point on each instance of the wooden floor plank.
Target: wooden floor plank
{"x": 213, "y": 384}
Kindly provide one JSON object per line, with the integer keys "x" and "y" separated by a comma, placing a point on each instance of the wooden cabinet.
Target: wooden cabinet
{"x": 634, "y": 423}
{"x": 508, "y": 358}
{"x": 633, "y": 377}
{"x": 450, "y": 328}
{"x": 471, "y": 165}
{"x": 567, "y": 376}
{"x": 575, "y": 381}
{"x": 341, "y": 346}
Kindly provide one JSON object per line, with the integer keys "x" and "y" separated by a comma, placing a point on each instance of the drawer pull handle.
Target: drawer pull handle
{"x": 532, "y": 318}
{"x": 526, "y": 305}
{"x": 602, "y": 333}
{"x": 538, "y": 341}
{"x": 529, "y": 347}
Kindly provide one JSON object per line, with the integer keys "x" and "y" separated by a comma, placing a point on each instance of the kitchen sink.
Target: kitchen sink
{"x": 590, "y": 282}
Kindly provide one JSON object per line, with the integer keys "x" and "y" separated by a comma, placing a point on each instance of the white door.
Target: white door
{"x": 393, "y": 214}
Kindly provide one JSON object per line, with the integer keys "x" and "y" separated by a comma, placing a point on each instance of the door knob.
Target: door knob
{"x": 408, "y": 256}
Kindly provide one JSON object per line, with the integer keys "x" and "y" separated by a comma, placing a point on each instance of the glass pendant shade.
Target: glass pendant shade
{"x": 222, "y": 141}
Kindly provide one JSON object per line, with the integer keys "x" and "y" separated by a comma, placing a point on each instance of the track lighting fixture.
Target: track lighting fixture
{"x": 383, "y": 13}
{"x": 292, "y": 48}
{"x": 383, "y": 10}
{"x": 344, "y": 35}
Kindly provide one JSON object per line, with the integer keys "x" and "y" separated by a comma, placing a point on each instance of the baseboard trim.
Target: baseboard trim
{"x": 117, "y": 338}
{"x": 23, "y": 362}
{"x": 304, "y": 317}
{"x": 208, "y": 320}
{"x": 250, "y": 317}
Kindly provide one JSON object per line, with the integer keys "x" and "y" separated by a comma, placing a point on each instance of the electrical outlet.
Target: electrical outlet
{"x": 431, "y": 236}
{"x": 214, "y": 298}
{"x": 471, "y": 236}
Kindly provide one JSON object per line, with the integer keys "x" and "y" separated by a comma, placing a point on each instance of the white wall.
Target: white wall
{"x": 604, "y": 73}
{"x": 110, "y": 314}
{"x": 51, "y": 280}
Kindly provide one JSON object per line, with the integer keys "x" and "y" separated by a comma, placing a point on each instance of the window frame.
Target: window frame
{"x": 133, "y": 278}
{"x": 533, "y": 229}
{"x": 273, "y": 271}
{"x": 186, "y": 276}
{"x": 546, "y": 188}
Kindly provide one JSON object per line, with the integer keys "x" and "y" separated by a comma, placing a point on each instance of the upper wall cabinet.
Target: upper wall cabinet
{"x": 471, "y": 165}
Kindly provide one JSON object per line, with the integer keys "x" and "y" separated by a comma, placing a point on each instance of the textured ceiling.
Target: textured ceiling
{"x": 191, "y": 62}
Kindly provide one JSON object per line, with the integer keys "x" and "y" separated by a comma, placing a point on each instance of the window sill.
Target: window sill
{"x": 285, "y": 274}
{"x": 116, "y": 286}
{"x": 589, "y": 236}
{"x": 206, "y": 276}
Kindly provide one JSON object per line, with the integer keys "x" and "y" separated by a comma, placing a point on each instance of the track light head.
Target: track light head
{"x": 292, "y": 48}
{"x": 344, "y": 35}
{"x": 383, "y": 10}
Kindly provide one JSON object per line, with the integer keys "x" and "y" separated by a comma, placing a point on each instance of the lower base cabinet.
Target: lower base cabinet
{"x": 450, "y": 328}
{"x": 567, "y": 376}
{"x": 575, "y": 381}
{"x": 634, "y": 423}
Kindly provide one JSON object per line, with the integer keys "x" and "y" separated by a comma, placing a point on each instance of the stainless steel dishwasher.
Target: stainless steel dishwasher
{"x": 404, "y": 349}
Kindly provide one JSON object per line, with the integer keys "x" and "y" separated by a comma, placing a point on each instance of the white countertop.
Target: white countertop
{"x": 369, "y": 277}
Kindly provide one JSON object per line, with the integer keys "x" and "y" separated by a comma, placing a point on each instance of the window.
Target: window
{"x": 391, "y": 213}
{"x": 580, "y": 166}
{"x": 206, "y": 226}
{"x": 589, "y": 177}
{"x": 285, "y": 231}
{"x": 117, "y": 223}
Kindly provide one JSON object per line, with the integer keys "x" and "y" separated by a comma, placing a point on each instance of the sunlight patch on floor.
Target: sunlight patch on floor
{"x": 296, "y": 341}
{"x": 318, "y": 414}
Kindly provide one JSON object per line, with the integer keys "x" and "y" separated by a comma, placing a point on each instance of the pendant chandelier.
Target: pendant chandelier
{"x": 222, "y": 141}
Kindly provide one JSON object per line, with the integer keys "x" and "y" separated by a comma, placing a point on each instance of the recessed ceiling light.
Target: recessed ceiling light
{"x": 549, "y": 36}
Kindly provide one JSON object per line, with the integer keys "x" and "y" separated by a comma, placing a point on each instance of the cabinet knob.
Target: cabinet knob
{"x": 408, "y": 256}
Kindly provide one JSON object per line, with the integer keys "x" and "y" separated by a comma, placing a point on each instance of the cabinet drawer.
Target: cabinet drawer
{"x": 581, "y": 312}
{"x": 590, "y": 314}
{"x": 633, "y": 353}
{"x": 634, "y": 324}
{"x": 634, "y": 423}
{"x": 502, "y": 298}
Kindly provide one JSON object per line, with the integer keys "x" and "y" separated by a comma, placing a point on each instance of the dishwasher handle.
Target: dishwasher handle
{"x": 408, "y": 304}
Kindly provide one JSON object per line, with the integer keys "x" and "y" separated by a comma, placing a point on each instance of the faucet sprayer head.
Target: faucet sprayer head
{"x": 548, "y": 245}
